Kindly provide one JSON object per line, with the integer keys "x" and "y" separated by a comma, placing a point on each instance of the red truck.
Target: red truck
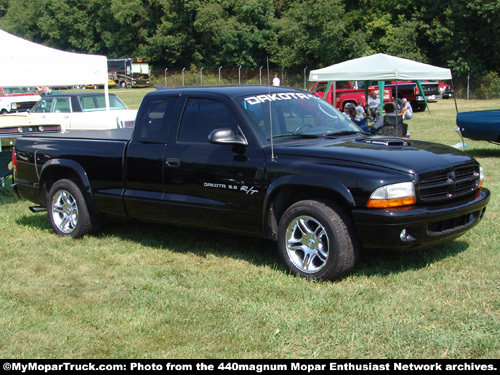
{"x": 352, "y": 91}
{"x": 347, "y": 92}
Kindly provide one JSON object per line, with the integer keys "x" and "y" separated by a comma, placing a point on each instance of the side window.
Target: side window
{"x": 43, "y": 105}
{"x": 87, "y": 103}
{"x": 62, "y": 105}
{"x": 155, "y": 121}
{"x": 101, "y": 101}
{"x": 320, "y": 87}
{"x": 343, "y": 85}
{"x": 201, "y": 116}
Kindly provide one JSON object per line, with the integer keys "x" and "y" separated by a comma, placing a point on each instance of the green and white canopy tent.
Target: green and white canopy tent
{"x": 380, "y": 67}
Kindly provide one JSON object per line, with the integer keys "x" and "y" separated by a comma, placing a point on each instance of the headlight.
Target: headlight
{"x": 396, "y": 195}
{"x": 481, "y": 177}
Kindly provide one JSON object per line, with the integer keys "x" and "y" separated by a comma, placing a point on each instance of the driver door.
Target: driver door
{"x": 218, "y": 186}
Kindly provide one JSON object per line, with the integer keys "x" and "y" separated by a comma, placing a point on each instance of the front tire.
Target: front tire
{"x": 317, "y": 240}
{"x": 68, "y": 211}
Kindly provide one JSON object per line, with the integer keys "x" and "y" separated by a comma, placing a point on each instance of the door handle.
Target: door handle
{"x": 173, "y": 162}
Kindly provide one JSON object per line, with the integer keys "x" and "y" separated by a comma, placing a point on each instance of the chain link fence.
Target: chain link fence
{"x": 468, "y": 87}
{"x": 216, "y": 76}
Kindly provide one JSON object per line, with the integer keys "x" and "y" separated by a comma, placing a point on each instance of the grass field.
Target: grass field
{"x": 152, "y": 291}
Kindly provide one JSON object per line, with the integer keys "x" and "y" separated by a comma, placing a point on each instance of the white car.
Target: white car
{"x": 17, "y": 99}
{"x": 84, "y": 111}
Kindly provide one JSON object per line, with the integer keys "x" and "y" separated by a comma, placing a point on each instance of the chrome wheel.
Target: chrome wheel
{"x": 65, "y": 211}
{"x": 68, "y": 210}
{"x": 317, "y": 240}
{"x": 307, "y": 244}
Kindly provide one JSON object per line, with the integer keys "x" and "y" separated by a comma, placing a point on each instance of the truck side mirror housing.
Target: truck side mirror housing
{"x": 226, "y": 137}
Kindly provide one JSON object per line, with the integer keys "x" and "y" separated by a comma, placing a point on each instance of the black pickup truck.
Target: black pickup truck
{"x": 262, "y": 161}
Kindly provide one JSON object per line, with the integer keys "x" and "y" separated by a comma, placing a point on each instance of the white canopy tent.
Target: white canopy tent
{"x": 380, "y": 67}
{"x": 25, "y": 63}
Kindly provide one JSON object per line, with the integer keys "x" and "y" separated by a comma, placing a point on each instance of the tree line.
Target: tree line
{"x": 463, "y": 35}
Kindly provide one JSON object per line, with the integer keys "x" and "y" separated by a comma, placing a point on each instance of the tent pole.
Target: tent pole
{"x": 328, "y": 85}
{"x": 334, "y": 90}
{"x": 367, "y": 83}
{"x": 381, "y": 95}
{"x": 423, "y": 95}
{"x": 396, "y": 98}
{"x": 106, "y": 95}
{"x": 334, "y": 98}
{"x": 454, "y": 96}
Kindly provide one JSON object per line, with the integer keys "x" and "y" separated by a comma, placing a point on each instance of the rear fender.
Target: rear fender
{"x": 57, "y": 169}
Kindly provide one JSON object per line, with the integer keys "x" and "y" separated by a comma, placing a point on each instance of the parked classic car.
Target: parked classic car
{"x": 111, "y": 83}
{"x": 82, "y": 111}
{"x": 480, "y": 125}
{"x": 16, "y": 125}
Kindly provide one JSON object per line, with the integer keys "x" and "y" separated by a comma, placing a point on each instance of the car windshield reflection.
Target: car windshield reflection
{"x": 281, "y": 116}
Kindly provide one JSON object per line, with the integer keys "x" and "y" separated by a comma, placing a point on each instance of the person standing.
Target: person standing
{"x": 276, "y": 80}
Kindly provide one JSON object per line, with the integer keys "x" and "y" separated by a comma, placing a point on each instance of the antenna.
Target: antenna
{"x": 273, "y": 158}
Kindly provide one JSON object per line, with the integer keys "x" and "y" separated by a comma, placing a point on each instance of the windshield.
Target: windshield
{"x": 19, "y": 90}
{"x": 141, "y": 68}
{"x": 293, "y": 114}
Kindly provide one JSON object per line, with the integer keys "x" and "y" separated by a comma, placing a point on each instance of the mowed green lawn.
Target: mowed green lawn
{"x": 140, "y": 290}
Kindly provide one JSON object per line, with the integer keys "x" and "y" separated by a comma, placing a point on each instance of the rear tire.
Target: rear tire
{"x": 68, "y": 211}
{"x": 317, "y": 240}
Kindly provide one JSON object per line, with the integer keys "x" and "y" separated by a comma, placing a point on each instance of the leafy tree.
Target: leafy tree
{"x": 171, "y": 40}
{"x": 462, "y": 34}
{"x": 309, "y": 33}
{"x": 4, "y": 5}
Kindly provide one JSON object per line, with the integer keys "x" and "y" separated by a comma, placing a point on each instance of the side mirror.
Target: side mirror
{"x": 226, "y": 137}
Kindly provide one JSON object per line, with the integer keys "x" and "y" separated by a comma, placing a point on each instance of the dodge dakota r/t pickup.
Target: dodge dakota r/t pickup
{"x": 272, "y": 162}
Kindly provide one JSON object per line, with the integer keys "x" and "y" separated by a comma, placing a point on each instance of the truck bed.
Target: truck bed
{"x": 108, "y": 134}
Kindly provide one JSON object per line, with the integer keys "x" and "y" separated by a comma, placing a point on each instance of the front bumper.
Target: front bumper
{"x": 418, "y": 227}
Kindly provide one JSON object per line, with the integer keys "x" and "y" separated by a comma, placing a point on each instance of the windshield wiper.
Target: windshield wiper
{"x": 344, "y": 132}
{"x": 296, "y": 135}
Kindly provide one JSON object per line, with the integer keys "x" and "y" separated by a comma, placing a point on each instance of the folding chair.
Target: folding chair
{"x": 393, "y": 126}
{"x": 5, "y": 172}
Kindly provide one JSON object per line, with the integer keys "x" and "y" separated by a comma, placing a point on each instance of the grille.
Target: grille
{"x": 452, "y": 225}
{"x": 448, "y": 184}
{"x": 24, "y": 106}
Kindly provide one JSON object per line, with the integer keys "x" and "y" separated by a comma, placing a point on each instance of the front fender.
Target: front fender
{"x": 309, "y": 182}
{"x": 300, "y": 187}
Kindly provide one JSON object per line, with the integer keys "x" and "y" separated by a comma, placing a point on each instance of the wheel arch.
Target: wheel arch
{"x": 58, "y": 169}
{"x": 286, "y": 191}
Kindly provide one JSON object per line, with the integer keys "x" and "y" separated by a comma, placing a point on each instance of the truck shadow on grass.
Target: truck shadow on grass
{"x": 256, "y": 251}
{"x": 484, "y": 152}
{"x": 381, "y": 262}
{"x": 199, "y": 242}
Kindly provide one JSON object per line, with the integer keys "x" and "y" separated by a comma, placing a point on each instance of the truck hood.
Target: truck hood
{"x": 405, "y": 155}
